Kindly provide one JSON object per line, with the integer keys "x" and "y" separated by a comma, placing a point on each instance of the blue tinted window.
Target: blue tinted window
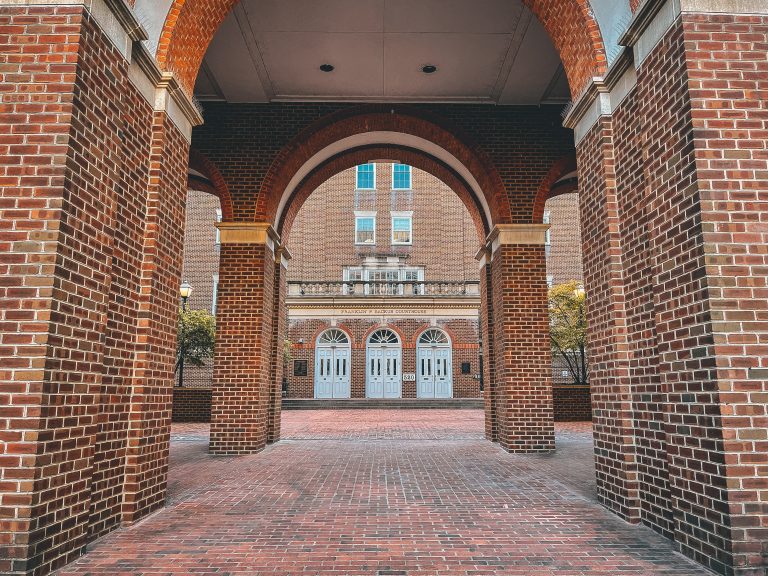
{"x": 401, "y": 177}
{"x": 366, "y": 177}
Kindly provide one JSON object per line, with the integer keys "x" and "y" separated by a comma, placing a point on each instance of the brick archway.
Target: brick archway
{"x": 191, "y": 25}
{"x": 351, "y": 158}
{"x": 216, "y": 184}
{"x": 548, "y": 189}
{"x": 415, "y": 136}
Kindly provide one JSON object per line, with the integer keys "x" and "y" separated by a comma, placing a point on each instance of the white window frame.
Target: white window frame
{"x": 215, "y": 294}
{"x": 357, "y": 181}
{"x": 408, "y": 215}
{"x": 410, "y": 177}
{"x": 358, "y": 217}
{"x": 218, "y": 232}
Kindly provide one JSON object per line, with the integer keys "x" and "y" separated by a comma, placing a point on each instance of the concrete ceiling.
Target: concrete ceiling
{"x": 491, "y": 51}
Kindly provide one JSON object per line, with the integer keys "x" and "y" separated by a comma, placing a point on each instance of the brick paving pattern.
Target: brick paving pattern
{"x": 382, "y": 492}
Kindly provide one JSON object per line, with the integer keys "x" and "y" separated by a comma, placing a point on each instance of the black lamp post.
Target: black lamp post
{"x": 579, "y": 293}
{"x": 185, "y": 290}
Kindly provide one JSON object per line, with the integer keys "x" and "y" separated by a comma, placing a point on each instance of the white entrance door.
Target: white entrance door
{"x": 383, "y": 365}
{"x": 433, "y": 359}
{"x": 332, "y": 365}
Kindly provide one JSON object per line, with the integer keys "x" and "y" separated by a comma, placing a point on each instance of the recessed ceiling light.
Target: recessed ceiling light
{"x": 429, "y": 69}
{"x": 326, "y": 67}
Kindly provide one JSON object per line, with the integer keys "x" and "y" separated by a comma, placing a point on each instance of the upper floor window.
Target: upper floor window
{"x": 402, "y": 228}
{"x": 401, "y": 177}
{"x": 365, "y": 228}
{"x": 366, "y": 177}
{"x": 218, "y": 232}
{"x": 215, "y": 295}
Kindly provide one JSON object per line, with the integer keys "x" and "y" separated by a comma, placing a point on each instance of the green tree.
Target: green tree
{"x": 196, "y": 338}
{"x": 568, "y": 328}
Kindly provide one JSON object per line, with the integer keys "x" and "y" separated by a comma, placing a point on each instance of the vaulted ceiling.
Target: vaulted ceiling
{"x": 487, "y": 51}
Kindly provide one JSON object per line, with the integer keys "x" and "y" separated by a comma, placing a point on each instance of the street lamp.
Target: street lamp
{"x": 579, "y": 293}
{"x": 185, "y": 291}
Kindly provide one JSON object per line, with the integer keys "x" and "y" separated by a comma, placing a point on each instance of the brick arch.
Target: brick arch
{"x": 565, "y": 165}
{"x": 218, "y": 186}
{"x": 379, "y": 326}
{"x": 191, "y": 24}
{"x": 364, "y": 122}
{"x": 426, "y": 326}
{"x": 316, "y": 334}
{"x": 351, "y": 158}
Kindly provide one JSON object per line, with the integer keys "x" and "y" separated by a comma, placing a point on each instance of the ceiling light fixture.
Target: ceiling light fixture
{"x": 429, "y": 69}
{"x": 327, "y": 67}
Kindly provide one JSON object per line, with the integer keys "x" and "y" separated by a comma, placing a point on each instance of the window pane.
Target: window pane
{"x": 401, "y": 230}
{"x": 365, "y": 230}
{"x": 401, "y": 177}
{"x": 366, "y": 176}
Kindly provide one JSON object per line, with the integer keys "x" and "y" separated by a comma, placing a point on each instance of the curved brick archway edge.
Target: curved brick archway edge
{"x": 191, "y": 25}
{"x": 363, "y": 120}
{"x": 565, "y": 165}
{"x": 218, "y": 186}
{"x": 351, "y": 158}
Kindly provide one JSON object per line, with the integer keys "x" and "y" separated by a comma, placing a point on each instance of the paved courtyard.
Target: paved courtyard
{"x": 382, "y": 492}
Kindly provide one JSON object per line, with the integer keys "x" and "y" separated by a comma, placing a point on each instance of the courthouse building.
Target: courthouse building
{"x": 383, "y": 290}
{"x": 657, "y": 107}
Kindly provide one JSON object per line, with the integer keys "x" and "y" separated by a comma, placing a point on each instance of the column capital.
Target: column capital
{"x": 248, "y": 233}
{"x": 506, "y": 234}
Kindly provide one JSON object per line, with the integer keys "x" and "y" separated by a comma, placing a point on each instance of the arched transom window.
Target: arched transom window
{"x": 434, "y": 337}
{"x": 333, "y": 336}
{"x": 383, "y": 336}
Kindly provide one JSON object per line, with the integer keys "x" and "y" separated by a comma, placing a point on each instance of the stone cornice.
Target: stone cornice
{"x": 125, "y": 15}
{"x": 640, "y": 22}
{"x": 599, "y": 88}
{"x": 248, "y": 233}
{"x": 510, "y": 234}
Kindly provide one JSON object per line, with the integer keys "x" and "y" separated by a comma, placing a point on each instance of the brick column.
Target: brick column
{"x": 245, "y": 316}
{"x": 91, "y": 169}
{"x": 279, "y": 336}
{"x": 608, "y": 348}
{"x": 522, "y": 352}
{"x": 486, "y": 335}
{"x": 151, "y": 400}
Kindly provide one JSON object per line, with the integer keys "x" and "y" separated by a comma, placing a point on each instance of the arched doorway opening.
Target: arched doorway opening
{"x": 434, "y": 365}
{"x": 333, "y": 364}
{"x": 384, "y": 365}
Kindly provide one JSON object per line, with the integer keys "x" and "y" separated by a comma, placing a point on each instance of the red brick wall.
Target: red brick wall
{"x": 191, "y": 404}
{"x": 572, "y": 403}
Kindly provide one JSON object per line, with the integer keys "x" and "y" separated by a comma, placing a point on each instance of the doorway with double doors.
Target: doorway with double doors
{"x": 383, "y": 365}
{"x": 333, "y": 365}
{"x": 433, "y": 365}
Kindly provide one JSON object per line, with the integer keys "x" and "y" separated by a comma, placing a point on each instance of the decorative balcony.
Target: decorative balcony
{"x": 431, "y": 289}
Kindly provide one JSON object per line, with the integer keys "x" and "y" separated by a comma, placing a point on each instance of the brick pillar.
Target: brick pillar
{"x": 486, "y": 335}
{"x": 608, "y": 348}
{"x": 682, "y": 273}
{"x": 522, "y": 353}
{"x": 151, "y": 401}
{"x": 86, "y": 159}
{"x": 279, "y": 336}
{"x": 245, "y": 314}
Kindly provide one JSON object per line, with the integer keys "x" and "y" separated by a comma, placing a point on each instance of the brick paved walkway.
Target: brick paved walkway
{"x": 382, "y": 493}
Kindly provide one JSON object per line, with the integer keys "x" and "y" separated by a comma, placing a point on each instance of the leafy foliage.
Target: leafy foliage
{"x": 568, "y": 328}
{"x": 197, "y": 335}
